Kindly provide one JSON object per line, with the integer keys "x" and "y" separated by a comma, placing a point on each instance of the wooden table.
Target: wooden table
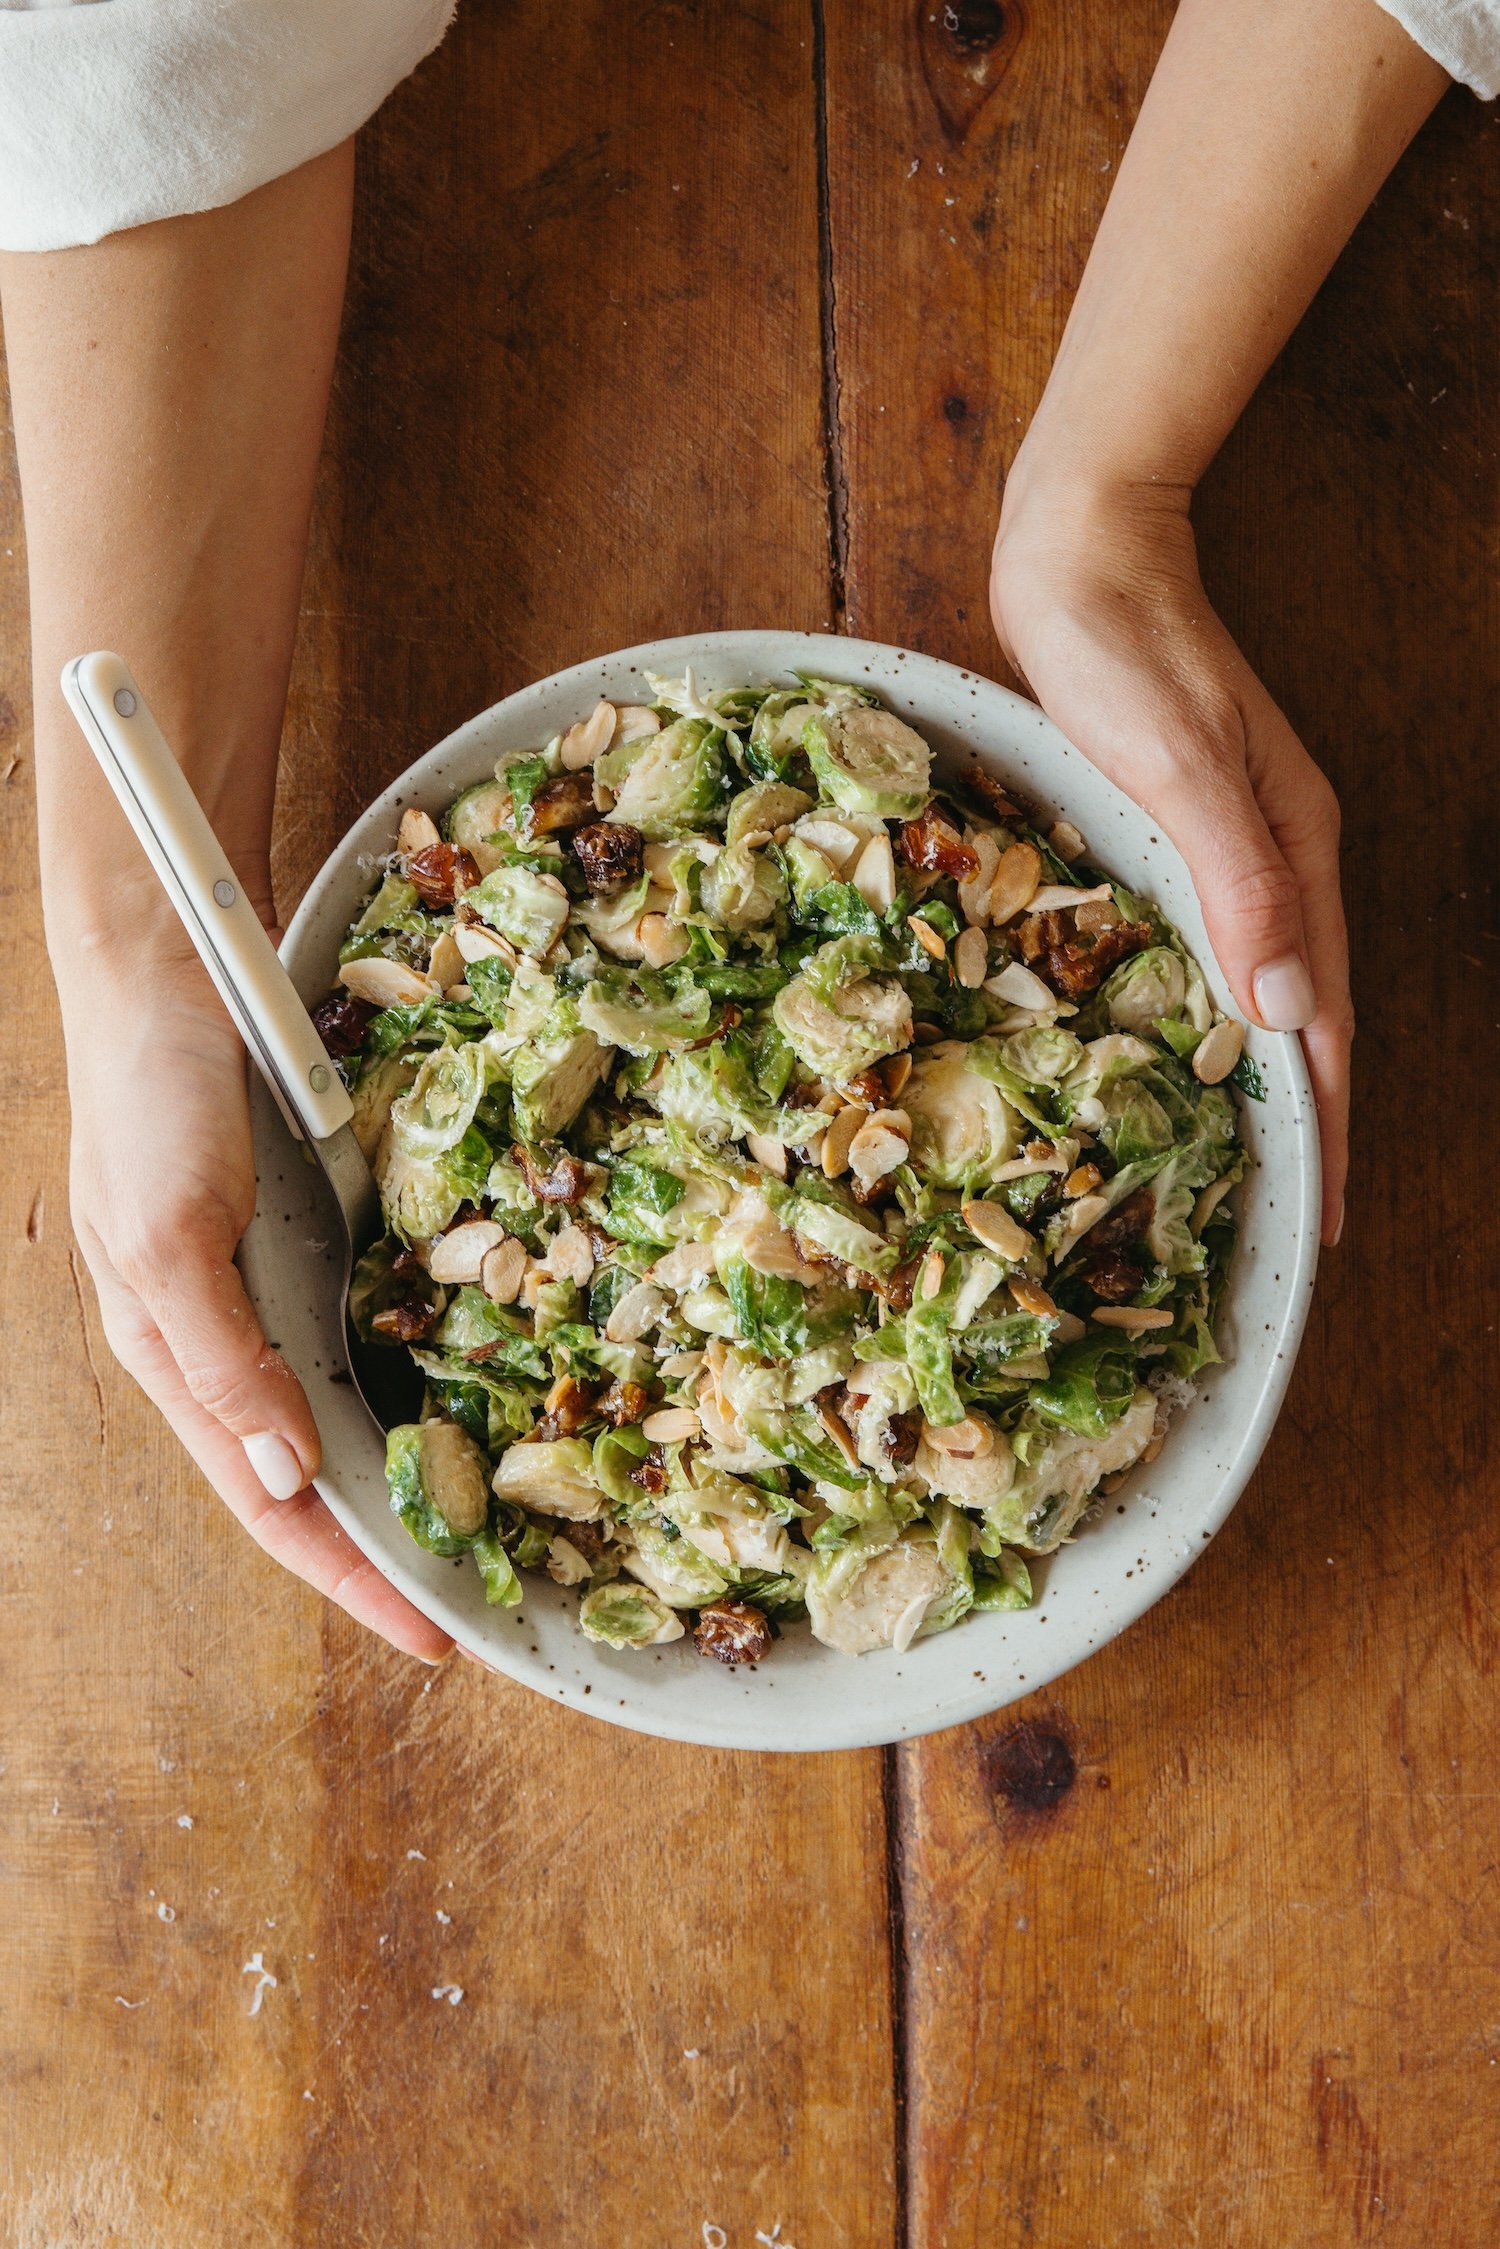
{"x": 672, "y": 316}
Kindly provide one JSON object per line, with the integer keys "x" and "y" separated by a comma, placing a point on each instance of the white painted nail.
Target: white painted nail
{"x": 1284, "y": 997}
{"x": 274, "y": 1462}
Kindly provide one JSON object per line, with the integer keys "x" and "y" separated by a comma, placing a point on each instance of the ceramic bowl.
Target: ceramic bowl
{"x": 1138, "y": 1543}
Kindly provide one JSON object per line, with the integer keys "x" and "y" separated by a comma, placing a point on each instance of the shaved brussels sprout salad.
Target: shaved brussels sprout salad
{"x": 804, "y": 1180}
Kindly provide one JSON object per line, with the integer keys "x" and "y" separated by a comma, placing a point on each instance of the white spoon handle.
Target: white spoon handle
{"x": 157, "y": 800}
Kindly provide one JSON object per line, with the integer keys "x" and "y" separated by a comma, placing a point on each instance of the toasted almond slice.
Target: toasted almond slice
{"x": 1031, "y": 1297}
{"x": 1015, "y": 881}
{"x": 838, "y": 1137}
{"x": 1023, "y": 1167}
{"x": 459, "y": 1255}
{"x": 682, "y": 1366}
{"x": 1081, "y": 1215}
{"x": 874, "y": 875}
{"x": 477, "y": 942}
{"x": 926, "y": 1034}
{"x": 457, "y": 992}
{"x": 1066, "y": 841}
{"x": 386, "y": 983}
{"x": 927, "y": 937}
{"x": 1084, "y": 1180}
{"x": 1153, "y": 1449}
{"x": 1112, "y": 1483}
{"x": 1069, "y": 1328}
{"x": 995, "y": 1227}
{"x": 895, "y": 1071}
{"x": 633, "y": 721}
{"x": 930, "y": 1280}
{"x": 503, "y": 1270}
{"x": 1134, "y": 1318}
{"x": 418, "y": 832}
{"x": 782, "y": 833}
{"x": 550, "y": 882}
{"x": 971, "y": 958}
{"x": 860, "y": 1380}
{"x": 969, "y": 1439}
{"x": 660, "y": 943}
{"x": 533, "y": 1281}
{"x": 672, "y": 1425}
{"x": 586, "y": 741}
{"x": 1217, "y": 1051}
{"x": 769, "y": 1154}
{"x": 638, "y": 1311}
{"x": 879, "y": 1147}
{"x": 678, "y": 1268}
{"x": 834, "y": 1424}
{"x": 974, "y": 894}
{"x": 446, "y": 965}
{"x": 756, "y": 839}
{"x": 1101, "y": 915}
{"x": 1019, "y": 986}
{"x": 571, "y": 1256}
{"x": 1057, "y": 897}
{"x": 1208, "y": 1202}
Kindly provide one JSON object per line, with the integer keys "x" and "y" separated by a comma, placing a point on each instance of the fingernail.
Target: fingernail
{"x": 274, "y": 1462}
{"x": 1338, "y": 1232}
{"x": 1284, "y": 997}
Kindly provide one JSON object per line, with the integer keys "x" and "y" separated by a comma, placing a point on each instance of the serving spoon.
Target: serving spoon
{"x": 174, "y": 832}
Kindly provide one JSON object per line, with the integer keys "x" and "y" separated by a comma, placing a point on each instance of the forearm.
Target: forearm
{"x": 1266, "y": 130}
{"x": 169, "y": 386}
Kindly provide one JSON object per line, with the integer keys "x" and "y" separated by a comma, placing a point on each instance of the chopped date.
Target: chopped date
{"x": 899, "y": 1438}
{"x": 1124, "y": 1224}
{"x": 867, "y": 1086}
{"x": 733, "y": 1632}
{"x": 1075, "y": 969}
{"x": 406, "y": 1322}
{"x": 729, "y": 1020}
{"x": 565, "y": 1180}
{"x": 570, "y": 1403}
{"x": 896, "y": 1287}
{"x": 651, "y": 1473}
{"x": 934, "y": 845}
{"x": 984, "y": 786}
{"x": 1113, "y": 1277}
{"x": 340, "y": 1023}
{"x": 440, "y": 872}
{"x": 612, "y": 855}
{"x": 623, "y": 1403}
{"x": 561, "y": 804}
{"x": 589, "y": 1538}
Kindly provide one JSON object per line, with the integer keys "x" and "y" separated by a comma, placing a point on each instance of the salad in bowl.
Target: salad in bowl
{"x": 806, "y": 1176}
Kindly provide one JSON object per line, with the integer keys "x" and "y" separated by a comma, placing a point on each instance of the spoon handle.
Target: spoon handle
{"x": 157, "y": 800}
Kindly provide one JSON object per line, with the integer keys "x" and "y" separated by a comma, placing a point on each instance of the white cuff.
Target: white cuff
{"x": 1462, "y": 35}
{"x": 121, "y": 111}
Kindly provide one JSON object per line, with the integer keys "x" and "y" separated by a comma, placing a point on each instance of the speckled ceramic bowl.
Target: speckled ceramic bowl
{"x": 806, "y": 1697}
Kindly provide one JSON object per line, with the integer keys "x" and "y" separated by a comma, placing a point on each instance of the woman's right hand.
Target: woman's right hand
{"x": 163, "y": 1186}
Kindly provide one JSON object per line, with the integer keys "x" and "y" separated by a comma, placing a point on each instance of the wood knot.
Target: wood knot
{"x": 966, "y": 47}
{"x": 1031, "y": 1768}
{"x": 972, "y": 27}
{"x": 956, "y": 409}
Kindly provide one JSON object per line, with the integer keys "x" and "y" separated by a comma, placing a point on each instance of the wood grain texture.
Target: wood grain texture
{"x": 578, "y": 404}
{"x": 1201, "y": 1946}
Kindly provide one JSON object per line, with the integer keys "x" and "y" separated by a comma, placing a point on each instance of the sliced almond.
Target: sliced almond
{"x": 968, "y": 1439}
{"x": 633, "y": 721}
{"x": 1102, "y": 914}
{"x": 1209, "y": 1201}
{"x": 678, "y": 1268}
{"x": 1020, "y": 987}
{"x": 1024, "y": 1167}
{"x": 974, "y": 894}
{"x": 926, "y": 1034}
{"x": 571, "y": 1256}
{"x": 476, "y": 942}
{"x": 533, "y": 1281}
{"x": 672, "y": 1425}
{"x": 1134, "y": 1318}
{"x": 446, "y": 965}
{"x": 682, "y": 1366}
{"x": 589, "y": 739}
{"x": 1066, "y": 841}
{"x": 418, "y": 832}
{"x": 1057, "y": 897}
{"x": 895, "y": 1071}
{"x": 971, "y": 958}
{"x": 458, "y": 1256}
{"x": 874, "y": 875}
{"x": 503, "y": 1270}
{"x": 860, "y": 1381}
{"x": 838, "y": 1138}
{"x": 838, "y": 844}
{"x": 930, "y": 1279}
{"x": 660, "y": 943}
{"x": 1084, "y": 1180}
{"x": 457, "y": 992}
{"x": 1081, "y": 1215}
{"x": 1015, "y": 881}
{"x": 995, "y": 1227}
{"x": 769, "y": 1154}
{"x": 1031, "y": 1297}
{"x": 927, "y": 937}
{"x": 638, "y": 1310}
{"x": 880, "y": 1147}
{"x": 1153, "y": 1449}
{"x": 834, "y": 1425}
{"x": 1217, "y": 1051}
{"x": 386, "y": 983}
{"x": 1069, "y": 1328}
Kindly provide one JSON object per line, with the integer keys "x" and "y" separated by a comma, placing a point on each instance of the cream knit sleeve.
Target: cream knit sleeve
{"x": 113, "y": 112}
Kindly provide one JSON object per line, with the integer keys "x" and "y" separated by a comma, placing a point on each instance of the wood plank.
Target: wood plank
{"x": 578, "y": 404}
{"x": 1235, "y": 1981}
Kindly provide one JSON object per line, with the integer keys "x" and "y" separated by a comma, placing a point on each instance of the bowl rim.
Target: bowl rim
{"x": 838, "y": 1726}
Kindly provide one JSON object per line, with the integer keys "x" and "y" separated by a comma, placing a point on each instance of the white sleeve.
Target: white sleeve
{"x": 1462, "y": 35}
{"x": 113, "y": 112}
